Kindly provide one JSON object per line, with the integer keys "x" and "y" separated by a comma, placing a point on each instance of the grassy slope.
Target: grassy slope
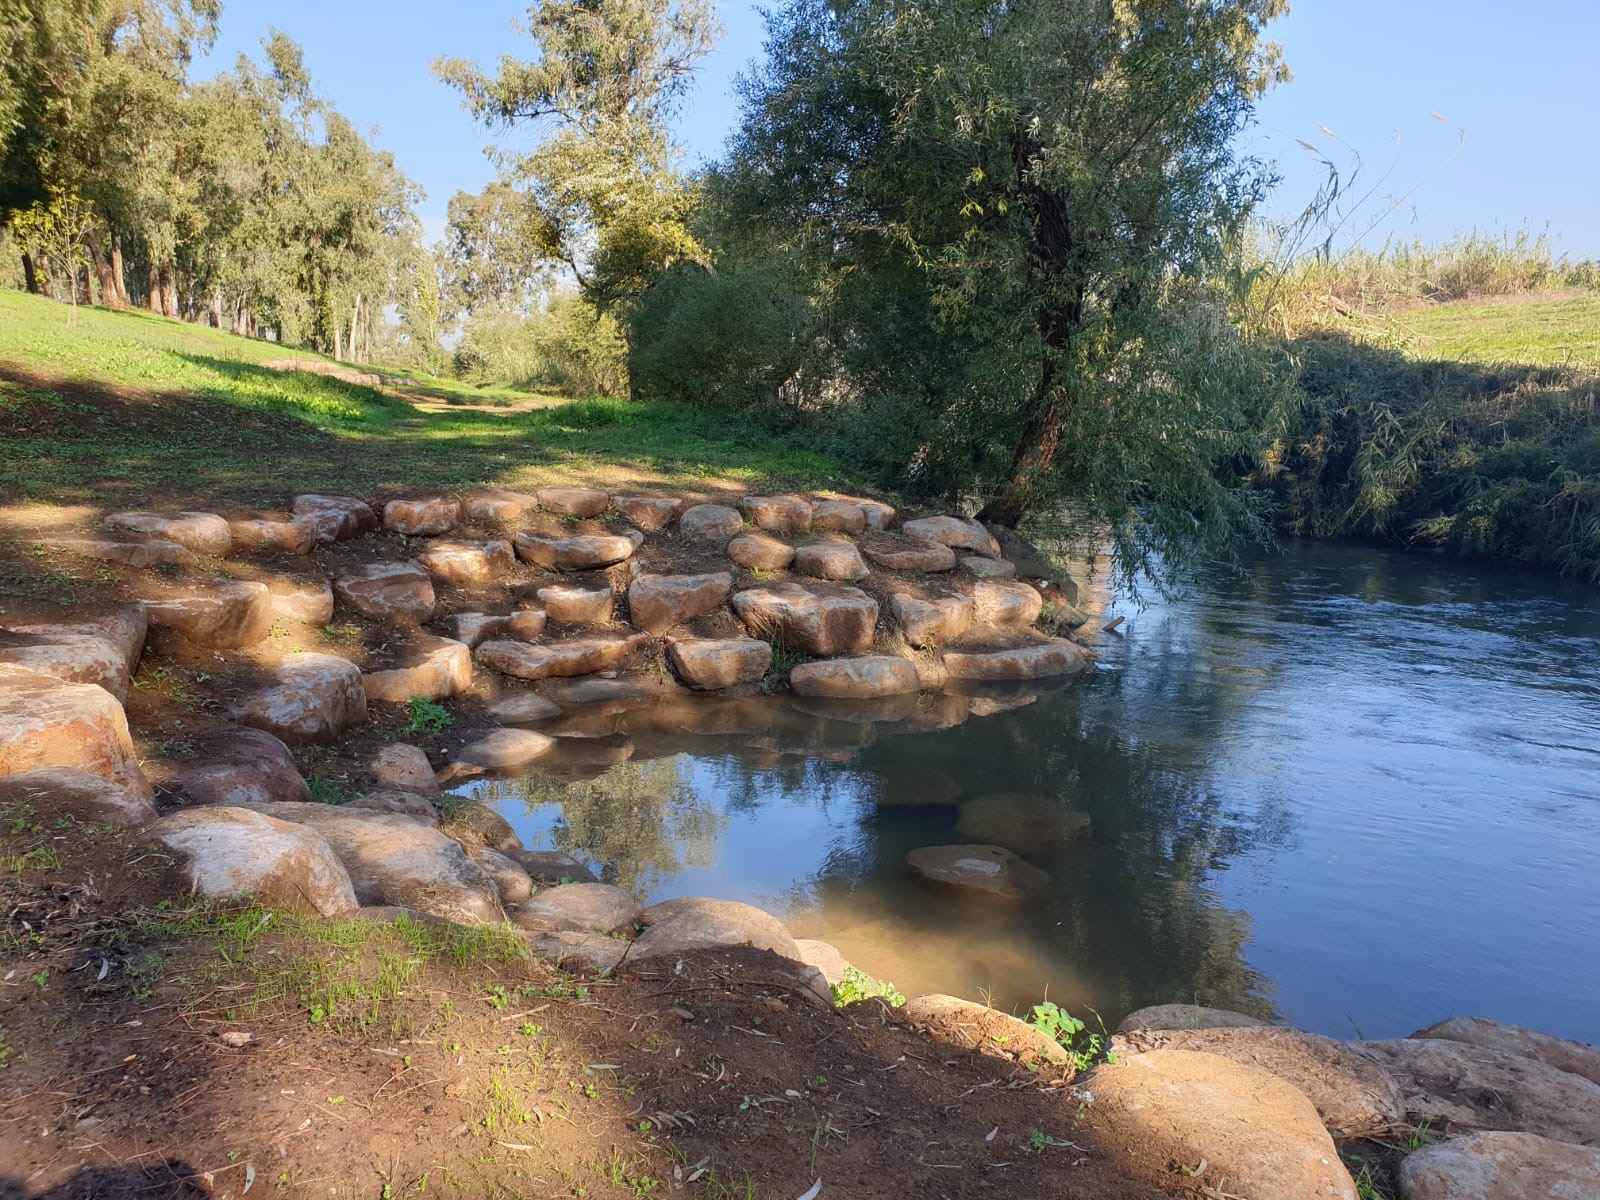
{"x": 1529, "y": 330}
{"x": 128, "y": 408}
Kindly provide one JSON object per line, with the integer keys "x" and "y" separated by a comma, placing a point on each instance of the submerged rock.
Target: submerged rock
{"x": 505, "y": 749}
{"x": 1021, "y": 821}
{"x": 988, "y": 871}
{"x": 1037, "y": 661}
{"x": 524, "y": 708}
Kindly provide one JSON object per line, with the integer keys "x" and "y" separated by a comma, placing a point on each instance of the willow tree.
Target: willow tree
{"x": 1048, "y": 187}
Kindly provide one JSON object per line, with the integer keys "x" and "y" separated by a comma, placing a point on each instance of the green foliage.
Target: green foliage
{"x": 567, "y": 346}
{"x": 1086, "y": 1048}
{"x": 426, "y": 717}
{"x": 856, "y": 986}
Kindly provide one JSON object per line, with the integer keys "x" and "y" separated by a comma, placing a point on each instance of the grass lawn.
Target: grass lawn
{"x": 124, "y": 409}
{"x": 1543, "y": 331}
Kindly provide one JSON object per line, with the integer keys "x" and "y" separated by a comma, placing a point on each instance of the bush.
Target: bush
{"x": 569, "y": 347}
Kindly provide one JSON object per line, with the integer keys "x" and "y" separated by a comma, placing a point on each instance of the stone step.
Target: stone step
{"x": 291, "y": 535}
{"x": 823, "y": 620}
{"x": 429, "y": 516}
{"x": 1036, "y": 661}
{"x": 866, "y": 678}
{"x": 47, "y": 723}
{"x": 337, "y": 517}
{"x": 224, "y": 616}
{"x": 204, "y": 533}
{"x": 959, "y": 533}
{"x": 464, "y": 562}
{"x": 581, "y": 552}
{"x": 397, "y": 593}
{"x": 581, "y": 656}
{"x": 656, "y": 603}
{"x": 715, "y": 663}
{"x": 306, "y": 698}
{"x": 574, "y": 501}
{"x": 433, "y": 668}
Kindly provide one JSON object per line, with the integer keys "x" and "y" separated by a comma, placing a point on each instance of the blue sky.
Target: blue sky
{"x": 1517, "y": 82}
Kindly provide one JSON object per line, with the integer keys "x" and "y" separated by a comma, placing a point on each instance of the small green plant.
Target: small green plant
{"x": 5, "y": 1046}
{"x": 1085, "y": 1047}
{"x": 499, "y": 998}
{"x": 427, "y": 716}
{"x": 856, "y": 986}
{"x": 326, "y": 791}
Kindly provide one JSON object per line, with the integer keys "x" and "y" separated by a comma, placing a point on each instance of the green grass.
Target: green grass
{"x": 1560, "y": 331}
{"x": 130, "y": 408}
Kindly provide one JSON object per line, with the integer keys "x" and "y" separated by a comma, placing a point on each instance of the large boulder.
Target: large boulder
{"x": 577, "y": 605}
{"x": 958, "y": 1022}
{"x": 47, "y": 723}
{"x": 760, "y": 552}
{"x": 554, "y": 866}
{"x": 1185, "y": 1016}
{"x": 931, "y": 621}
{"x": 69, "y": 657}
{"x": 233, "y": 852}
{"x": 713, "y": 663}
{"x": 239, "y": 768}
{"x": 838, "y": 516}
{"x": 959, "y": 533}
{"x": 204, "y": 533}
{"x": 1354, "y": 1098}
{"x": 658, "y": 602}
{"x": 574, "y": 501}
{"x": 431, "y": 667}
{"x": 825, "y": 957}
{"x": 1564, "y": 1055}
{"x": 710, "y": 522}
{"x": 989, "y": 872}
{"x": 1501, "y": 1166}
{"x": 54, "y": 793}
{"x": 288, "y": 535}
{"x": 123, "y": 625}
{"x": 463, "y": 562}
{"x": 837, "y": 560}
{"x": 581, "y": 656}
{"x": 1219, "y": 1124}
{"x": 399, "y": 765}
{"x": 510, "y": 878}
{"x": 909, "y": 554}
{"x": 392, "y": 593}
{"x": 336, "y": 517}
{"x": 308, "y": 601}
{"x": 427, "y": 517}
{"x": 780, "y": 514}
{"x": 571, "y": 949}
{"x": 595, "y": 907}
{"x": 817, "y": 619}
{"x": 855, "y": 678}
{"x": 701, "y": 923}
{"x": 497, "y": 505}
{"x": 306, "y": 698}
{"x": 1039, "y": 660}
{"x": 580, "y": 552}
{"x": 419, "y": 806}
{"x": 224, "y": 616}
{"x": 393, "y": 859}
{"x": 1459, "y": 1086}
{"x": 1021, "y": 821}
{"x": 650, "y": 513}
{"x": 1005, "y": 602}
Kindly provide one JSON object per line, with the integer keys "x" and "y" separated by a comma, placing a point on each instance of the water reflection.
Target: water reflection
{"x": 1355, "y": 788}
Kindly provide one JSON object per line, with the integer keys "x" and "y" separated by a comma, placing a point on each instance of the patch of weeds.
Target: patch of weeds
{"x": 630, "y": 1172}
{"x": 5, "y": 1046}
{"x": 427, "y": 716}
{"x": 714, "y": 1188}
{"x": 327, "y": 791}
{"x": 506, "y": 1110}
{"x": 1086, "y": 1048}
{"x": 857, "y": 986}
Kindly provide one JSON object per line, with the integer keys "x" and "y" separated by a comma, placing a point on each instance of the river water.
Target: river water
{"x": 1357, "y": 791}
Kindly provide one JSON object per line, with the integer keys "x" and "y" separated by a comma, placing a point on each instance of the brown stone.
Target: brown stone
{"x": 308, "y": 601}
{"x": 780, "y": 514}
{"x": 839, "y": 561}
{"x": 658, "y": 602}
{"x": 525, "y": 624}
{"x": 699, "y": 923}
{"x": 132, "y": 552}
{"x": 204, "y": 533}
{"x": 69, "y": 657}
{"x": 912, "y": 786}
{"x": 931, "y": 621}
{"x": 710, "y": 522}
{"x": 510, "y": 879}
{"x": 587, "y": 907}
{"x": 855, "y": 678}
{"x": 1564, "y": 1055}
{"x": 395, "y": 593}
{"x": 986, "y": 568}
{"x": 650, "y": 513}
{"x": 957, "y": 1022}
{"x": 399, "y": 765}
{"x": 838, "y": 516}
{"x": 815, "y": 619}
{"x": 47, "y": 723}
{"x": 505, "y": 749}
{"x": 419, "y": 806}
{"x": 577, "y": 605}
{"x": 123, "y": 625}
{"x": 1004, "y": 602}
{"x": 574, "y": 501}
{"x": 582, "y": 656}
{"x": 225, "y": 616}
{"x": 233, "y": 852}
{"x": 427, "y": 517}
{"x": 1037, "y": 661}
{"x": 337, "y": 517}
{"x": 1185, "y": 1016}
{"x": 307, "y": 698}
{"x": 1020, "y": 821}
{"x": 911, "y": 555}
{"x": 239, "y": 768}
{"x": 959, "y": 533}
{"x": 524, "y": 708}
{"x": 710, "y": 664}
{"x": 472, "y": 629}
{"x": 497, "y": 505}
{"x": 582, "y": 552}
{"x": 477, "y": 821}
{"x": 290, "y": 535}
{"x": 573, "y": 950}
{"x": 825, "y": 957}
{"x": 989, "y": 871}
{"x": 555, "y": 866}
{"x": 1501, "y": 1166}
{"x": 758, "y": 552}
{"x": 66, "y": 793}
{"x": 463, "y": 562}
{"x": 430, "y": 667}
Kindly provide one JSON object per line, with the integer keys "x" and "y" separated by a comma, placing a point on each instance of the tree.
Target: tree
{"x": 1033, "y": 194}
{"x": 54, "y": 233}
{"x": 496, "y": 252}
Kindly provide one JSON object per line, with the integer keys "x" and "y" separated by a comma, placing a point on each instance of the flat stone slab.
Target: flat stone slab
{"x": 225, "y": 616}
{"x": 577, "y": 605}
{"x": 759, "y": 552}
{"x": 472, "y": 629}
{"x": 435, "y": 668}
{"x": 1576, "y": 1057}
{"x": 1038, "y": 661}
{"x": 55, "y": 793}
{"x": 710, "y": 522}
{"x": 586, "y": 907}
{"x": 69, "y": 657}
{"x": 130, "y": 552}
{"x": 991, "y": 872}
{"x": 427, "y": 517}
{"x": 911, "y": 555}
{"x": 47, "y": 723}
{"x": 987, "y": 568}
{"x": 233, "y": 852}
{"x": 714, "y": 663}
{"x": 574, "y": 501}
{"x": 308, "y": 601}
{"x": 1501, "y": 1166}
{"x": 463, "y": 562}
{"x": 307, "y": 698}
{"x": 864, "y": 678}
{"x": 959, "y": 533}
{"x": 838, "y": 516}
{"x": 505, "y": 749}
{"x": 290, "y": 535}
{"x": 124, "y": 626}
{"x": 817, "y": 620}
{"x": 497, "y": 505}
{"x": 650, "y": 513}
{"x": 581, "y": 552}
{"x": 1005, "y": 602}
{"x": 780, "y": 514}
{"x": 204, "y": 533}
{"x": 936, "y": 620}
{"x": 395, "y": 593}
{"x": 838, "y": 561}
{"x": 337, "y": 517}
{"x": 656, "y": 603}
{"x": 582, "y": 656}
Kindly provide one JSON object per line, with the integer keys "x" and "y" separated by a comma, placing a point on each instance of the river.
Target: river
{"x": 1355, "y": 790}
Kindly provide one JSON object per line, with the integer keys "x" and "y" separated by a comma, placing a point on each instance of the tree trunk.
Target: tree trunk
{"x": 152, "y": 296}
{"x": 169, "y": 288}
{"x": 215, "y": 314}
{"x": 30, "y": 275}
{"x": 338, "y": 339}
{"x": 102, "y": 270}
{"x": 119, "y": 274}
{"x": 1036, "y": 450}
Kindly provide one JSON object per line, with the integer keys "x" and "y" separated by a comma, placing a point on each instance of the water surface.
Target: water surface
{"x": 1357, "y": 791}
